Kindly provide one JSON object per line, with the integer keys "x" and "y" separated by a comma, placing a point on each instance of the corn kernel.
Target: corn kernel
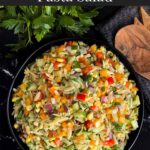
{"x": 60, "y": 60}
{"x": 14, "y": 99}
{"x": 28, "y": 108}
{"x": 51, "y": 138}
{"x": 90, "y": 116}
{"x": 23, "y": 86}
{"x": 71, "y": 110}
{"x": 98, "y": 94}
{"x": 16, "y": 126}
{"x": 94, "y": 148}
{"x": 70, "y": 124}
{"x": 38, "y": 104}
{"x": 95, "y": 74}
{"x": 37, "y": 110}
{"x": 98, "y": 104}
{"x": 92, "y": 137}
{"x": 93, "y": 48}
{"x": 102, "y": 48}
{"x": 28, "y": 139}
{"x": 104, "y": 73}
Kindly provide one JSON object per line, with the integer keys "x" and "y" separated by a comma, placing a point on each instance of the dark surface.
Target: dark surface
{"x": 103, "y": 29}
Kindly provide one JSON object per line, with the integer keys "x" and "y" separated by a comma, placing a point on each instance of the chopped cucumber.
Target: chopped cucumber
{"x": 80, "y": 116}
{"x": 16, "y": 99}
{"x": 136, "y": 101}
{"x": 71, "y": 147}
{"x": 31, "y": 86}
{"x": 76, "y": 64}
{"x": 76, "y": 106}
{"x": 118, "y": 126}
{"x": 134, "y": 124}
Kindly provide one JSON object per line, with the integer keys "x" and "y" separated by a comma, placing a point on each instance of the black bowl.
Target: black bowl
{"x": 19, "y": 77}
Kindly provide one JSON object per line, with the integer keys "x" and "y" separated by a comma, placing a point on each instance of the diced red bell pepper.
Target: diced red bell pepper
{"x": 94, "y": 108}
{"x": 89, "y": 124}
{"x": 110, "y": 142}
{"x": 52, "y": 133}
{"x": 87, "y": 70}
{"x": 110, "y": 80}
{"x": 81, "y": 96}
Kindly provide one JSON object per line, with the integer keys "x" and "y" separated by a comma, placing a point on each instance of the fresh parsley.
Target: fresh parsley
{"x": 117, "y": 126}
{"x": 36, "y": 22}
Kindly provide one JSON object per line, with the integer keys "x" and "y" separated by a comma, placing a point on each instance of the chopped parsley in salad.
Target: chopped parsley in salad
{"x": 76, "y": 97}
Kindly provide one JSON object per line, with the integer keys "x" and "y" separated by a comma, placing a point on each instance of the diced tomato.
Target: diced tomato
{"x": 57, "y": 141}
{"x": 82, "y": 59}
{"x": 56, "y": 65}
{"x": 94, "y": 108}
{"x": 110, "y": 142}
{"x": 87, "y": 70}
{"x": 97, "y": 63}
{"x": 110, "y": 80}
{"x": 89, "y": 124}
{"x": 99, "y": 55}
{"x": 81, "y": 96}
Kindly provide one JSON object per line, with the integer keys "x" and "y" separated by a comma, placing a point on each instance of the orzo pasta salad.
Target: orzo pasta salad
{"x": 76, "y": 97}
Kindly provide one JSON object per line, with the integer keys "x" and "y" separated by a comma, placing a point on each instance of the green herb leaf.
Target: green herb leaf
{"x": 103, "y": 88}
{"x": 66, "y": 21}
{"x": 118, "y": 126}
{"x": 36, "y": 22}
{"x": 43, "y": 20}
{"x": 9, "y": 24}
{"x": 40, "y": 33}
